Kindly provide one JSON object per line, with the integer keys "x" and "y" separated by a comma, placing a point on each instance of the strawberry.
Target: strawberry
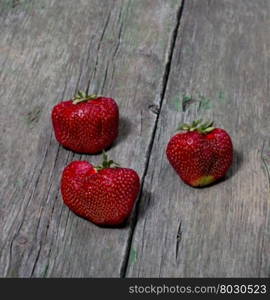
{"x": 202, "y": 154}
{"x": 104, "y": 195}
{"x": 87, "y": 123}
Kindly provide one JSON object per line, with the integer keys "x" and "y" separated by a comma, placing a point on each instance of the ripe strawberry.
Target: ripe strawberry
{"x": 104, "y": 195}
{"x": 87, "y": 123}
{"x": 202, "y": 155}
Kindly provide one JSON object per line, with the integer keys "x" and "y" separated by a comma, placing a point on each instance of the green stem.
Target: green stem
{"x": 83, "y": 97}
{"x": 106, "y": 163}
{"x": 203, "y": 128}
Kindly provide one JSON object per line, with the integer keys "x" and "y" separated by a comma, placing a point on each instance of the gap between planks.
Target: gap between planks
{"x": 150, "y": 147}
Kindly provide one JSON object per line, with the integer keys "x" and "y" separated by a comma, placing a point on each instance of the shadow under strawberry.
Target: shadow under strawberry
{"x": 125, "y": 127}
{"x": 236, "y": 165}
{"x": 90, "y": 154}
{"x": 123, "y": 225}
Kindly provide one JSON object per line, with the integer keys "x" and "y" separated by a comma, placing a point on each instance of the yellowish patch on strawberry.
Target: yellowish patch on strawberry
{"x": 203, "y": 181}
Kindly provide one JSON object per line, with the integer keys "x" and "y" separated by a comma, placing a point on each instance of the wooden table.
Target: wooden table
{"x": 148, "y": 55}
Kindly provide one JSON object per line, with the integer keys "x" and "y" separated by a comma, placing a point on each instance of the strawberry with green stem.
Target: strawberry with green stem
{"x": 202, "y": 154}
{"x": 105, "y": 194}
{"x": 86, "y": 123}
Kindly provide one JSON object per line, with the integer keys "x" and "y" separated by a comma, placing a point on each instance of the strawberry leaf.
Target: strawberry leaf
{"x": 83, "y": 97}
{"x": 199, "y": 126}
{"x": 106, "y": 163}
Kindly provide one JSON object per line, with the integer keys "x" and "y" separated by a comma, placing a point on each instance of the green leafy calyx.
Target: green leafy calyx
{"x": 199, "y": 126}
{"x": 106, "y": 163}
{"x": 83, "y": 97}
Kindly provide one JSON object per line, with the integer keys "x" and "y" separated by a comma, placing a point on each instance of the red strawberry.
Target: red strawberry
{"x": 87, "y": 123}
{"x": 202, "y": 155}
{"x": 105, "y": 195}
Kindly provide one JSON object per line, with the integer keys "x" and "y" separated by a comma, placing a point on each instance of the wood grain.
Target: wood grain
{"x": 221, "y": 52}
{"x": 48, "y": 50}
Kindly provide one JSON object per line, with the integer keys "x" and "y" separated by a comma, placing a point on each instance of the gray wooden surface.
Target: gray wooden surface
{"x": 146, "y": 54}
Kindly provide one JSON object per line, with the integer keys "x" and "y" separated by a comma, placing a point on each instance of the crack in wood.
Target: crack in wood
{"x": 154, "y": 109}
{"x": 178, "y": 240}
{"x": 119, "y": 36}
{"x": 149, "y": 150}
{"x": 46, "y": 234}
{"x": 42, "y": 209}
{"x": 105, "y": 78}
{"x": 98, "y": 49}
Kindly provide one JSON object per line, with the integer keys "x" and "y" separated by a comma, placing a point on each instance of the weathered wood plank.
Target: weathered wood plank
{"x": 222, "y": 51}
{"x": 47, "y": 51}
